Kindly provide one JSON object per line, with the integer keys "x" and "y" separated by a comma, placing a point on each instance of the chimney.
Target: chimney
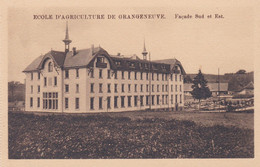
{"x": 118, "y": 54}
{"x": 74, "y": 51}
{"x": 92, "y": 49}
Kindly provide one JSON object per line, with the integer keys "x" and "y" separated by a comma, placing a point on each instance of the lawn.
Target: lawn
{"x": 131, "y": 135}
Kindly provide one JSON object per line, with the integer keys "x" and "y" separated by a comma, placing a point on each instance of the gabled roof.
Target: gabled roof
{"x": 250, "y": 85}
{"x": 81, "y": 58}
{"x": 172, "y": 62}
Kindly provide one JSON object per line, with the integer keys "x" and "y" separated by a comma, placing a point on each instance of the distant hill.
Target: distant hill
{"x": 236, "y": 81}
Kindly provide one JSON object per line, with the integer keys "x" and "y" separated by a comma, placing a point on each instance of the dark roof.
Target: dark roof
{"x": 213, "y": 87}
{"x": 83, "y": 58}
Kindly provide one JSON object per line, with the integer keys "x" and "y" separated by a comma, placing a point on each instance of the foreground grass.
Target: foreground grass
{"x": 105, "y": 136}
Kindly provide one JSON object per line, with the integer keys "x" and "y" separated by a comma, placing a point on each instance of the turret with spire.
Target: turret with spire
{"x": 67, "y": 41}
{"x": 144, "y": 52}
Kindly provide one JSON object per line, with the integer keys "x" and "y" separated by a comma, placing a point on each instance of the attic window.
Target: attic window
{"x": 118, "y": 63}
{"x": 50, "y": 67}
{"x": 100, "y": 60}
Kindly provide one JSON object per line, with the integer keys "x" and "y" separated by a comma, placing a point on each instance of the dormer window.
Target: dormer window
{"x": 50, "y": 67}
{"x": 100, "y": 59}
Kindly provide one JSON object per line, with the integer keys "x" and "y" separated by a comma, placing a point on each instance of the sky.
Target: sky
{"x": 207, "y": 44}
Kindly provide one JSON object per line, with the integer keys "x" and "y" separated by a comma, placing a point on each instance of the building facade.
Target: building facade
{"x": 92, "y": 80}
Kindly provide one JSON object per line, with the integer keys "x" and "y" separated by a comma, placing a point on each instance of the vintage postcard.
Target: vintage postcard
{"x": 151, "y": 84}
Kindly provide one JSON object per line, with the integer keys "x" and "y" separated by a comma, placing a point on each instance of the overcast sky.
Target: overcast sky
{"x": 208, "y": 44}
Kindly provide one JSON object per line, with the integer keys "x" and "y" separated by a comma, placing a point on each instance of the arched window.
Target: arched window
{"x": 50, "y": 67}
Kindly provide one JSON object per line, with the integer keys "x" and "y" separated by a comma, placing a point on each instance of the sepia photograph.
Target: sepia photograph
{"x": 130, "y": 83}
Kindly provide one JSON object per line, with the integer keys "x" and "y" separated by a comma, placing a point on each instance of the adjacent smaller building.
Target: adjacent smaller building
{"x": 215, "y": 88}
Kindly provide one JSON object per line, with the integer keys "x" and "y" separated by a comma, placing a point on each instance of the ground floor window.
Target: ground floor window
{"x": 129, "y": 101}
{"x": 92, "y": 103}
{"x": 152, "y": 99}
{"x": 38, "y": 102}
{"x": 136, "y": 100}
{"x": 31, "y": 102}
{"x": 50, "y": 100}
{"x": 108, "y": 102}
{"x": 122, "y": 101}
{"x": 158, "y": 99}
{"x": 100, "y": 103}
{"x": 66, "y": 103}
{"x": 147, "y": 100}
{"x": 115, "y": 102}
{"x": 141, "y": 100}
{"x": 76, "y": 103}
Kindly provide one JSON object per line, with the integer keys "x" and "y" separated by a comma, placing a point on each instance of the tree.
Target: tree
{"x": 241, "y": 71}
{"x": 200, "y": 89}
{"x": 12, "y": 86}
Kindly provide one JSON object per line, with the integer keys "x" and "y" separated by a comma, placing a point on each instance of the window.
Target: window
{"x": 176, "y": 99}
{"x": 92, "y": 87}
{"x": 92, "y": 103}
{"x": 180, "y": 88}
{"x": 39, "y": 75}
{"x": 66, "y": 103}
{"x": 135, "y": 87}
{"x": 123, "y": 75}
{"x": 76, "y": 103}
{"x": 92, "y": 73}
{"x": 50, "y": 100}
{"x": 50, "y": 67}
{"x": 66, "y": 73}
{"x": 108, "y": 88}
{"x": 115, "y": 102}
{"x": 122, "y": 101}
{"x": 31, "y": 89}
{"x": 152, "y": 76}
{"x": 129, "y": 87}
{"x": 77, "y": 88}
{"x": 100, "y": 88}
{"x": 142, "y": 100}
{"x": 141, "y": 88}
{"x": 141, "y": 76}
{"x": 136, "y": 100}
{"x": 152, "y": 88}
{"x": 77, "y": 73}
{"x": 123, "y": 87}
{"x": 158, "y": 99}
{"x": 55, "y": 81}
{"x": 115, "y": 74}
{"x": 108, "y": 102}
{"x": 39, "y": 88}
{"x": 135, "y": 75}
{"x": 162, "y": 77}
{"x": 171, "y": 99}
{"x": 152, "y": 99}
{"x": 108, "y": 74}
{"x": 166, "y": 99}
{"x": 171, "y": 77}
{"x": 180, "y": 99}
{"x": 129, "y": 74}
{"x": 115, "y": 88}
{"x": 129, "y": 100}
{"x": 66, "y": 88}
{"x": 162, "y": 88}
{"x": 31, "y": 102}
{"x": 176, "y": 77}
{"x": 162, "y": 99}
{"x": 147, "y": 88}
{"x": 166, "y": 87}
{"x": 100, "y": 73}
{"x": 147, "y": 100}
{"x": 158, "y": 88}
{"x": 147, "y": 76}
{"x": 180, "y": 77}
{"x": 172, "y": 88}
{"x": 176, "y": 88}
{"x": 45, "y": 81}
{"x": 38, "y": 102}
{"x": 100, "y": 103}
{"x": 157, "y": 77}
{"x": 31, "y": 76}
{"x": 166, "y": 77}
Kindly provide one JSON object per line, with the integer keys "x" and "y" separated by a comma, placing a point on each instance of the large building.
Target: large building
{"x": 92, "y": 80}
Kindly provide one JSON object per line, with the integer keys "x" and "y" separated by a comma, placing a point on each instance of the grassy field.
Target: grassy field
{"x": 131, "y": 135}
